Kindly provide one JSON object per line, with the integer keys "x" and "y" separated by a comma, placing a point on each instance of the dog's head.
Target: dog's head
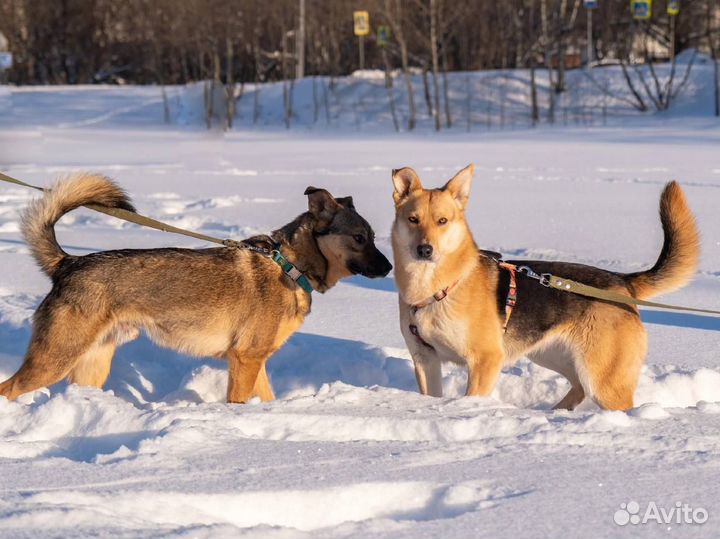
{"x": 429, "y": 223}
{"x": 345, "y": 239}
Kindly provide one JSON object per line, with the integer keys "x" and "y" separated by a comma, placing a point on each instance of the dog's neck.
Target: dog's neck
{"x": 418, "y": 280}
{"x": 298, "y": 244}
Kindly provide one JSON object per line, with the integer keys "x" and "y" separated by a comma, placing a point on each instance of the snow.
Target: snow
{"x": 350, "y": 448}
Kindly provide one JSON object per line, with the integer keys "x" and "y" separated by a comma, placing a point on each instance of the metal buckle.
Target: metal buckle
{"x": 528, "y": 272}
{"x": 545, "y": 279}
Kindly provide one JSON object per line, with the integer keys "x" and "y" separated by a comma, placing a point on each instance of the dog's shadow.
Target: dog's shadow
{"x": 144, "y": 373}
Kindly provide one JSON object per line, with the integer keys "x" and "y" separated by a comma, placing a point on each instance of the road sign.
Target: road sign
{"x": 590, "y": 4}
{"x": 673, "y": 7}
{"x": 641, "y": 9}
{"x": 383, "y": 36}
{"x": 361, "y": 20}
{"x": 6, "y": 60}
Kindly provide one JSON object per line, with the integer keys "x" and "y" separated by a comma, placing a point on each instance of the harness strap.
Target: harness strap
{"x": 511, "y": 299}
{"x": 436, "y": 297}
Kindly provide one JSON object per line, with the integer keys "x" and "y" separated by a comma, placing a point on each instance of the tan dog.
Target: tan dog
{"x": 453, "y": 300}
{"x": 222, "y": 302}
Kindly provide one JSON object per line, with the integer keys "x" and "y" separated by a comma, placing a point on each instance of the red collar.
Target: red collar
{"x": 436, "y": 297}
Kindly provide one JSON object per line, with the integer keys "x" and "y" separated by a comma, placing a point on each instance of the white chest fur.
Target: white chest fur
{"x": 447, "y": 335}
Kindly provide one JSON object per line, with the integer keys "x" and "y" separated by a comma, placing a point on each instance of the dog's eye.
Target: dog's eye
{"x": 442, "y": 221}
{"x": 414, "y": 220}
{"x": 359, "y": 238}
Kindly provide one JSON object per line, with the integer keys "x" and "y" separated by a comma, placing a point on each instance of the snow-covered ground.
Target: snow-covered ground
{"x": 349, "y": 448}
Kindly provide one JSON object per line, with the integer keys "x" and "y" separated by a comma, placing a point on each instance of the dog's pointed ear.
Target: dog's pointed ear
{"x": 345, "y": 202}
{"x": 322, "y": 204}
{"x": 405, "y": 180}
{"x": 459, "y": 186}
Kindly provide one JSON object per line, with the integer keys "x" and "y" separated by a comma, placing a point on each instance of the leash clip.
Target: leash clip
{"x": 528, "y": 272}
{"x": 544, "y": 278}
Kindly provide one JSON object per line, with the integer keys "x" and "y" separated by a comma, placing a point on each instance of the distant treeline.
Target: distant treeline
{"x": 175, "y": 41}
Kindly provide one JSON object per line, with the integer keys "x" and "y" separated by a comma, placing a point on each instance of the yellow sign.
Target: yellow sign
{"x": 673, "y": 7}
{"x": 641, "y": 9}
{"x": 361, "y": 20}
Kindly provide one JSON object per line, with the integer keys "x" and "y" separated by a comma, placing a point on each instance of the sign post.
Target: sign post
{"x": 589, "y": 6}
{"x": 361, "y": 24}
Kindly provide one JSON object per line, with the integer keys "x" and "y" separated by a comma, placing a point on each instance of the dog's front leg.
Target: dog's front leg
{"x": 483, "y": 371}
{"x": 262, "y": 388}
{"x": 243, "y": 370}
{"x": 429, "y": 376}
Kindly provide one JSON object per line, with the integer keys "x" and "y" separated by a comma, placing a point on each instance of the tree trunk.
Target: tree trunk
{"x": 713, "y": 46}
{"x": 446, "y": 96}
{"x": 434, "y": 56}
{"x": 389, "y": 86}
{"x": 286, "y": 90}
{"x": 548, "y": 61}
{"x": 535, "y": 112}
{"x": 716, "y": 69}
{"x": 426, "y": 87}
{"x": 396, "y": 22}
{"x": 229, "y": 84}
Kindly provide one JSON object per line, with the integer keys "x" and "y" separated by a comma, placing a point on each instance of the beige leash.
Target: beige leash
{"x": 136, "y": 218}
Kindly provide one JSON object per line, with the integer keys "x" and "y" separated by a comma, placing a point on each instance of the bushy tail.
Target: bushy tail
{"x": 66, "y": 195}
{"x": 680, "y": 253}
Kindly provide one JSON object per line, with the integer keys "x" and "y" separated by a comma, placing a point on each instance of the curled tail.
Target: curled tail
{"x": 680, "y": 253}
{"x": 66, "y": 195}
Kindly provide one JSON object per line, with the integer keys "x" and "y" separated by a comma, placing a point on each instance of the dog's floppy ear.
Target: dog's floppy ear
{"x": 459, "y": 185}
{"x": 346, "y": 202}
{"x": 405, "y": 181}
{"x": 322, "y": 204}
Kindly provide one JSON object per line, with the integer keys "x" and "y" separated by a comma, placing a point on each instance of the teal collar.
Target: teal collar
{"x": 291, "y": 271}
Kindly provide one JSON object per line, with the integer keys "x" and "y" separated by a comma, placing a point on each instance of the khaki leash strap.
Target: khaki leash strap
{"x": 567, "y": 285}
{"x": 136, "y": 218}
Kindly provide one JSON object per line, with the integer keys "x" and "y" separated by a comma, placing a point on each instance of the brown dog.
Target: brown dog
{"x": 453, "y": 299}
{"x": 223, "y": 302}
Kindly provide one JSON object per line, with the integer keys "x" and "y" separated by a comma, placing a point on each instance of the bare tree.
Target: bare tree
{"x": 393, "y": 13}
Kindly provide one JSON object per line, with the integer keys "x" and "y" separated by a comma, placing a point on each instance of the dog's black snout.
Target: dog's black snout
{"x": 425, "y": 250}
{"x": 385, "y": 267}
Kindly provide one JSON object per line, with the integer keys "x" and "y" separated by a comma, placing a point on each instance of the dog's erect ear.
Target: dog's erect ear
{"x": 405, "y": 181}
{"x": 459, "y": 185}
{"x": 345, "y": 202}
{"x": 321, "y": 203}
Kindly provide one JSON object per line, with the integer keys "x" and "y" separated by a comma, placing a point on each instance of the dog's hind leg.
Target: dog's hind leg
{"x": 613, "y": 357}
{"x": 573, "y": 398}
{"x": 559, "y": 357}
{"x": 262, "y": 388}
{"x": 43, "y": 366}
{"x": 61, "y": 336}
{"x": 93, "y": 367}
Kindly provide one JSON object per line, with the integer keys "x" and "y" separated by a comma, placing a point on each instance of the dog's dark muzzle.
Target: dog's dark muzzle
{"x": 377, "y": 266}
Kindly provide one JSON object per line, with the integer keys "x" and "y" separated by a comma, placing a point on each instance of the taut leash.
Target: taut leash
{"x": 568, "y": 285}
{"x": 288, "y": 268}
